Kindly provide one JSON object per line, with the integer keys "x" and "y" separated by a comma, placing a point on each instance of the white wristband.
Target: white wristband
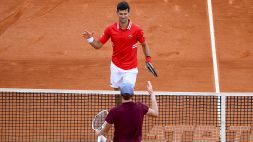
{"x": 90, "y": 40}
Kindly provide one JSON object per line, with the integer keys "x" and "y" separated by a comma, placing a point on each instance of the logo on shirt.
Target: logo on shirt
{"x": 135, "y": 45}
{"x": 130, "y": 36}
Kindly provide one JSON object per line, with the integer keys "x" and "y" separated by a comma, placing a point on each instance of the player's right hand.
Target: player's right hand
{"x": 87, "y": 34}
{"x": 150, "y": 88}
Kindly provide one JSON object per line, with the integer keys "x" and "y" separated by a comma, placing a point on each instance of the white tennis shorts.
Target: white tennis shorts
{"x": 118, "y": 76}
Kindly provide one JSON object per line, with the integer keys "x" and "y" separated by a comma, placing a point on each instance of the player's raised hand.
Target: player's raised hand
{"x": 87, "y": 34}
{"x": 153, "y": 110}
{"x": 150, "y": 88}
{"x": 92, "y": 40}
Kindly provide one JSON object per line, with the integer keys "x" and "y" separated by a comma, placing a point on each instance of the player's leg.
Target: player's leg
{"x": 130, "y": 76}
{"x": 116, "y": 79}
{"x": 118, "y": 98}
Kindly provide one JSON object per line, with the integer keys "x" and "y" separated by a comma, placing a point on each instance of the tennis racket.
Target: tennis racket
{"x": 98, "y": 123}
{"x": 151, "y": 68}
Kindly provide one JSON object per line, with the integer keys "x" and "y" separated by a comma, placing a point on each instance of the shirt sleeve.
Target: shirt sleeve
{"x": 140, "y": 36}
{"x": 105, "y": 36}
{"x": 144, "y": 108}
{"x": 109, "y": 118}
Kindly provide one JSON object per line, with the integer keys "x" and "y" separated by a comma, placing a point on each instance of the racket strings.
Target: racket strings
{"x": 99, "y": 120}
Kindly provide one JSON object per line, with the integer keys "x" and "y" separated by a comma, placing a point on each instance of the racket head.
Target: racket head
{"x": 151, "y": 69}
{"x": 98, "y": 121}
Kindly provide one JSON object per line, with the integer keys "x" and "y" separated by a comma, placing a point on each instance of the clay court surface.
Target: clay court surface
{"x": 41, "y": 47}
{"x": 41, "y": 44}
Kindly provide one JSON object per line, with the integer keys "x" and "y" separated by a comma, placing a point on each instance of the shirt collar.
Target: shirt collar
{"x": 129, "y": 25}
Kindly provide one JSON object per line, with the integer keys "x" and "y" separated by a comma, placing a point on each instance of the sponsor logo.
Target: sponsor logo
{"x": 198, "y": 133}
{"x": 134, "y": 46}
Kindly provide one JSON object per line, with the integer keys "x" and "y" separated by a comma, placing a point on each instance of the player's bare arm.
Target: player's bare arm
{"x": 92, "y": 40}
{"x": 146, "y": 51}
{"x": 105, "y": 130}
{"x": 153, "y": 110}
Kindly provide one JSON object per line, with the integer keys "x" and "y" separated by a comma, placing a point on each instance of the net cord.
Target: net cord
{"x": 159, "y": 93}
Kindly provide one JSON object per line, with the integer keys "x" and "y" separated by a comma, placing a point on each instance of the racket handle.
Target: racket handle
{"x": 101, "y": 138}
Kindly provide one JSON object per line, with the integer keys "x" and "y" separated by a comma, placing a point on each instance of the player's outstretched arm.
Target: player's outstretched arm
{"x": 92, "y": 40}
{"x": 153, "y": 110}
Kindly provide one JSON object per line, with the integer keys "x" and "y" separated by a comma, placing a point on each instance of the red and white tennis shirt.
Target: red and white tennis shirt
{"x": 124, "y": 43}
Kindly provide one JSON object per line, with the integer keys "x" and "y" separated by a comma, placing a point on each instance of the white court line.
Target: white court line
{"x": 214, "y": 56}
{"x": 222, "y": 101}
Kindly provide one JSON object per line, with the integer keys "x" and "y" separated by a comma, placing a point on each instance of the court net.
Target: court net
{"x": 66, "y": 115}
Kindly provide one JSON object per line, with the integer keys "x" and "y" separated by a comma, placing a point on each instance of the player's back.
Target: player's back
{"x": 128, "y": 119}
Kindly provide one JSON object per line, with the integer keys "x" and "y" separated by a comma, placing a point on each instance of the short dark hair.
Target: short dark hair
{"x": 123, "y": 5}
{"x": 127, "y": 96}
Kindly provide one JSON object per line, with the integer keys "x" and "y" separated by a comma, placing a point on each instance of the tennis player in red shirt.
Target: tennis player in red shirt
{"x": 124, "y": 36}
{"x": 128, "y": 116}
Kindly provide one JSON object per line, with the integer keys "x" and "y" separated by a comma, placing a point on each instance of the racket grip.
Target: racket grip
{"x": 101, "y": 138}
